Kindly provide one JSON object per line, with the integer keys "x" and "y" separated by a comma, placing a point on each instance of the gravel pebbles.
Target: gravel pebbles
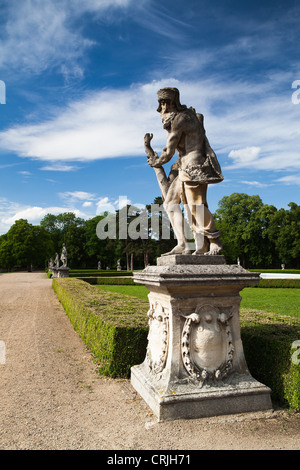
{"x": 52, "y": 397}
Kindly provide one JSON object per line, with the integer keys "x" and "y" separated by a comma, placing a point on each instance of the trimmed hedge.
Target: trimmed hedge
{"x": 114, "y": 328}
{"x": 97, "y": 273}
{"x": 116, "y": 281}
{"x": 128, "y": 280}
{"x": 286, "y": 283}
{"x": 267, "y": 341}
{"x": 277, "y": 271}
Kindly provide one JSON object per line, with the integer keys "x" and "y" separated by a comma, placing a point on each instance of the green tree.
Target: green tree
{"x": 97, "y": 249}
{"x": 235, "y": 217}
{"x": 69, "y": 229}
{"x": 261, "y": 250}
{"x": 41, "y": 247}
{"x": 51, "y": 225}
{"x": 285, "y": 234}
{"x": 25, "y": 245}
{"x": 161, "y": 229}
{"x": 129, "y": 247}
{"x": 6, "y": 255}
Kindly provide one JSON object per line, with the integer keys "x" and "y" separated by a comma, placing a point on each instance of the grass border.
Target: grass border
{"x": 113, "y": 328}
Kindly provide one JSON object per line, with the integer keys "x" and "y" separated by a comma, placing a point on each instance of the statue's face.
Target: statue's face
{"x": 167, "y": 106}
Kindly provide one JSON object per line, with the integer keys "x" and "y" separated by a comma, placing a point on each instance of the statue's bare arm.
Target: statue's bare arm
{"x": 170, "y": 148}
{"x": 152, "y": 156}
{"x": 167, "y": 152}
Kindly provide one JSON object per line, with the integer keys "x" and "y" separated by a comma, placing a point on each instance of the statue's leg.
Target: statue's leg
{"x": 207, "y": 237}
{"x": 174, "y": 212}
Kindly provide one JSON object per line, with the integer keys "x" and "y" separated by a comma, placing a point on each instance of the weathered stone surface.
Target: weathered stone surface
{"x": 188, "y": 402}
{"x": 183, "y": 274}
{"x": 196, "y": 167}
{"x": 195, "y": 364}
{"x": 175, "y": 260}
{"x": 64, "y": 256}
{"x": 62, "y": 271}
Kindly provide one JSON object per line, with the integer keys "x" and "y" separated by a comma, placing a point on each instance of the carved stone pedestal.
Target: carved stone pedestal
{"x": 195, "y": 365}
{"x": 60, "y": 272}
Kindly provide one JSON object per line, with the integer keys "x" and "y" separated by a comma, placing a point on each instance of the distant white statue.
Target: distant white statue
{"x": 119, "y": 267}
{"x": 99, "y": 264}
{"x": 56, "y": 261}
{"x": 63, "y": 257}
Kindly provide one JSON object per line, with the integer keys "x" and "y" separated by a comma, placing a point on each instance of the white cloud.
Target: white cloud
{"x": 7, "y": 209}
{"x": 290, "y": 180}
{"x": 245, "y": 155}
{"x": 243, "y": 122}
{"x": 159, "y": 19}
{"x": 105, "y": 124}
{"x": 39, "y": 35}
{"x": 107, "y": 205}
{"x": 123, "y": 201}
{"x": 35, "y": 214}
{"x": 72, "y": 198}
{"x": 25, "y": 173}
{"x": 11, "y": 211}
{"x": 99, "y": 5}
{"x": 59, "y": 167}
{"x": 256, "y": 184}
{"x": 77, "y": 195}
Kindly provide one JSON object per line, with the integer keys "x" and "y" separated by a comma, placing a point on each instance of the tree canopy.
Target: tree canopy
{"x": 25, "y": 245}
{"x": 260, "y": 235}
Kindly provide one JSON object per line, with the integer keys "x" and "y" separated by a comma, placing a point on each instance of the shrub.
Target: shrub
{"x": 267, "y": 341}
{"x": 277, "y": 271}
{"x": 97, "y": 273}
{"x": 286, "y": 283}
{"x": 109, "y": 281}
{"x": 114, "y": 328}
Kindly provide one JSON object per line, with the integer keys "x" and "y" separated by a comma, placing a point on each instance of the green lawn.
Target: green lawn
{"x": 136, "y": 291}
{"x": 281, "y": 301}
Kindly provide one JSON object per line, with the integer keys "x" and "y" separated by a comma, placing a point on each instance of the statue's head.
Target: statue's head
{"x": 171, "y": 95}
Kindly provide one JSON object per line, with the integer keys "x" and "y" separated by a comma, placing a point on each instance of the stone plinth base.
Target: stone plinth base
{"x": 187, "y": 401}
{"x": 60, "y": 272}
{"x": 195, "y": 365}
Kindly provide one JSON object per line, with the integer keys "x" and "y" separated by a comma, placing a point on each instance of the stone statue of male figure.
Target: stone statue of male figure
{"x": 63, "y": 256}
{"x": 196, "y": 167}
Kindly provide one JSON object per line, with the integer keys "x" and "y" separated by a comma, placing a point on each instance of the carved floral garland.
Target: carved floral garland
{"x": 157, "y": 366}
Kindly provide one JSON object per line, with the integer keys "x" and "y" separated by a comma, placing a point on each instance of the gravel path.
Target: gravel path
{"x": 53, "y": 398}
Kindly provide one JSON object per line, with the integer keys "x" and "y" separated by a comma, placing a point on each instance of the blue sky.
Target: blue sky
{"x": 80, "y": 93}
